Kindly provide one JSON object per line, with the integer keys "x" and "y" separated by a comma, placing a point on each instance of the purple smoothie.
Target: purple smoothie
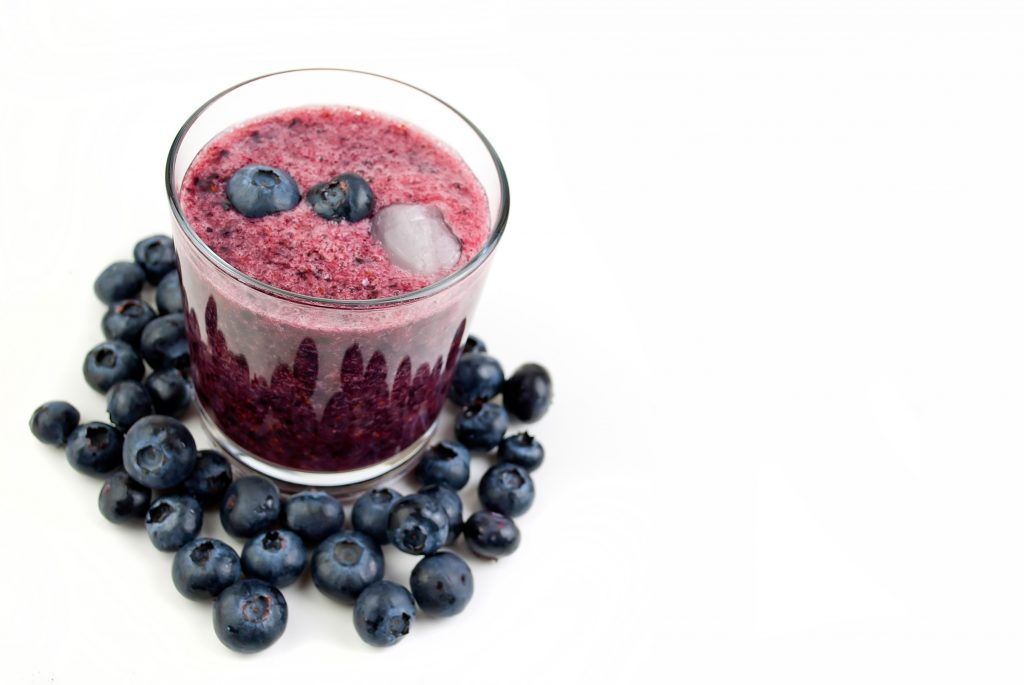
{"x": 325, "y": 387}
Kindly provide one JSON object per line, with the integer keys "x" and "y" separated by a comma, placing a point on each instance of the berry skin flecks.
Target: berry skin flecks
{"x": 122, "y": 500}
{"x": 110, "y": 362}
{"x": 370, "y": 513}
{"x": 159, "y": 451}
{"x": 344, "y": 198}
{"x": 482, "y": 426}
{"x": 168, "y": 294}
{"x": 250, "y": 615}
{"x": 384, "y": 613}
{"x": 276, "y": 556}
{"x": 442, "y": 584}
{"x": 127, "y": 402}
{"x": 53, "y": 422}
{"x": 507, "y": 489}
{"x": 314, "y": 515}
{"x": 417, "y": 525}
{"x": 257, "y": 190}
{"x": 489, "y": 535}
{"x": 170, "y": 391}
{"x": 345, "y": 564}
{"x": 522, "y": 449}
{"x": 163, "y": 342}
{"x": 527, "y": 394}
{"x": 173, "y": 521}
{"x": 452, "y": 505}
{"x": 445, "y": 463}
{"x": 94, "y": 448}
{"x": 156, "y": 257}
{"x": 119, "y": 281}
{"x": 210, "y": 477}
{"x": 204, "y": 568}
{"x": 125, "y": 320}
{"x": 478, "y": 377}
{"x": 250, "y": 506}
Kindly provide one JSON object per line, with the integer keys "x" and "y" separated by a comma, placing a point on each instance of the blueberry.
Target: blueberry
{"x": 507, "y": 489}
{"x": 442, "y": 584}
{"x": 173, "y": 521}
{"x": 490, "y": 535}
{"x": 125, "y": 320}
{"x": 251, "y": 505}
{"x": 159, "y": 452}
{"x": 452, "y": 505}
{"x": 474, "y": 344}
{"x": 204, "y": 568}
{"x": 346, "y": 197}
{"x": 119, "y": 281}
{"x": 417, "y": 524}
{"x": 257, "y": 190}
{"x": 250, "y": 615}
{"x": 346, "y": 563}
{"x": 313, "y": 515}
{"x": 53, "y": 422}
{"x": 276, "y": 556}
{"x": 122, "y": 499}
{"x": 170, "y": 391}
{"x": 522, "y": 449}
{"x": 127, "y": 402}
{"x": 168, "y": 294}
{"x": 384, "y": 613}
{"x": 210, "y": 477}
{"x": 94, "y": 448}
{"x": 164, "y": 344}
{"x": 481, "y": 426}
{"x": 156, "y": 257}
{"x": 477, "y": 378}
{"x": 110, "y": 362}
{"x": 447, "y": 463}
{"x": 527, "y": 394}
{"x": 370, "y": 513}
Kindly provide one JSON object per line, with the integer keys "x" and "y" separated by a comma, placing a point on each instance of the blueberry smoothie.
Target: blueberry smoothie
{"x": 329, "y": 207}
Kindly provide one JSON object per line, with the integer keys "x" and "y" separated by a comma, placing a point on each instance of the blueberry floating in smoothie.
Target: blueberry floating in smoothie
{"x": 344, "y": 198}
{"x": 416, "y": 238}
{"x": 256, "y": 190}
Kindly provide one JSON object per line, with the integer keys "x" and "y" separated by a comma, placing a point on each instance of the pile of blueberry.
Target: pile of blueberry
{"x": 155, "y": 474}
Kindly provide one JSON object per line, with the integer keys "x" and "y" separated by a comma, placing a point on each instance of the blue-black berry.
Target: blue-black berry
{"x": 127, "y": 402}
{"x": 452, "y": 505}
{"x": 164, "y": 344}
{"x": 276, "y": 556}
{"x": 53, "y": 422}
{"x": 478, "y": 377}
{"x": 445, "y": 463}
{"x": 125, "y": 320}
{"x": 482, "y": 426}
{"x": 250, "y": 506}
{"x": 119, "y": 281}
{"x": 490, "y": 535}
{"x": 156, "y": 257}
{"x": 168, "y": 294}
{"x": 250, "y": 615}
{"x": 204, "y": 568}
{"x": 442, "y": 584}
{"x": 370, "y": 513}
{"x": 173, "y": 521}
{"x": 345, "y": 564}
{"x": 417, "y": 525}
{"x": 159, "y": 451}
{"x": 314, "y": 515}
{"x": 473, "y": 344}
{"x": 122, "y": 499}
{"x": 210, "y": 477}
{"x": 110, "y": 362}
{"x": 527, "y": 394}
{"x": 94, "y": 448}
{"x": 384, "y": 613}
{"x": 170, "y": 391}
{"x": 522, "y": 449}
{"x": 507, "y": 489}
{"x": 257, "y": 190}
{"x": 346, "y": 197}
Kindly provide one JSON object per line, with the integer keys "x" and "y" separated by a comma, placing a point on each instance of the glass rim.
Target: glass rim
{"x": 497, "y": 228}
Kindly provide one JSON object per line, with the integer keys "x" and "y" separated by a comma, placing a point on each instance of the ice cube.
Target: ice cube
{"x": 416, "y": 238}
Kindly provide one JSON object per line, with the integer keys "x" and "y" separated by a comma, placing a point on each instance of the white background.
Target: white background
{"x": 771, "y": 252}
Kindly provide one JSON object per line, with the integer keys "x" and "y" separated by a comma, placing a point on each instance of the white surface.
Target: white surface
{"x": 770, "y": 250}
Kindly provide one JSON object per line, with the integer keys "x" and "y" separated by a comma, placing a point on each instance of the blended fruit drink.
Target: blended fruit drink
{"x": 330, "y": 258}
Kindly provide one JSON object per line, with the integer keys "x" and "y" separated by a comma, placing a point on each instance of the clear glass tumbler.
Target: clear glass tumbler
{"x": 313, "y": 392}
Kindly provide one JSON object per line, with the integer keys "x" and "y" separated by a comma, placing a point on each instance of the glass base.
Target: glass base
{"x": 341, "y": 483}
